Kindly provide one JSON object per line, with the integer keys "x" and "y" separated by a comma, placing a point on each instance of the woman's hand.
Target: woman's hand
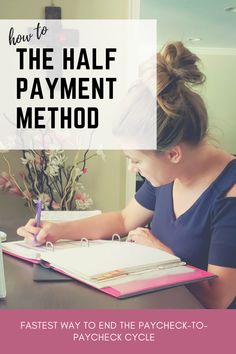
{"x": 144, "y": 236}
{"x": 47, "y": 231}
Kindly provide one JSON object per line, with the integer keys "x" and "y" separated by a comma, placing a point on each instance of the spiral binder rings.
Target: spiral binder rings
{"x": 121, "y": 269}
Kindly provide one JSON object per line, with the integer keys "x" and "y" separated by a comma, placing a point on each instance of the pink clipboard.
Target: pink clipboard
{"x": 138, "y": 287}
{"x": 31, "y": 260}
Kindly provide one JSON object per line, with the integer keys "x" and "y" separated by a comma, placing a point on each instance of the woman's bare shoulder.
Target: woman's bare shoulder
{"x": 231, "y": 192}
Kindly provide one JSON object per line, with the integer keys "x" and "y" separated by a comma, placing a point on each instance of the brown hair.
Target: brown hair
{"x": 181, "y": 112}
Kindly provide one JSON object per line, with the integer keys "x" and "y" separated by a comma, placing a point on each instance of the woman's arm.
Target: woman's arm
{"x": 220, "y": 292}
{"x": 216, "y": 293}
{"x": 144, "y": 236}
{"x": 95, "y": 227}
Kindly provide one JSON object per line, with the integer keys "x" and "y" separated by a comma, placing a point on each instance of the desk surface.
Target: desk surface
{"x": 23, "y": 292}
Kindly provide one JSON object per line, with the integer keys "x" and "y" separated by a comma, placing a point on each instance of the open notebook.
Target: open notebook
{"x": 121, "y": 269}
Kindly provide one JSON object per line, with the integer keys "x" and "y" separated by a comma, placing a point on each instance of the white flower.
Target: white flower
{"x": 101, "y": 154}
{"x": 56, "y": 160}
{"x": 45, "y": 199}
{"x": 57, "y": 156}
{"x": 83, "y": 201}
{"x": 29, "y": 158}
{"x": 52, "y": 170}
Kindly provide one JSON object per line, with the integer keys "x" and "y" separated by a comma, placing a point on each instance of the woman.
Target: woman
{"x": 190, "y": 191}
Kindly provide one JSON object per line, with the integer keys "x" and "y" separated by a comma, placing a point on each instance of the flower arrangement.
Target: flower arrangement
{"x": 46, "y": 176}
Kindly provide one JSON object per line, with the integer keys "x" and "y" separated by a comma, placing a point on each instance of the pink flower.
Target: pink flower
{"x": 82, "y": 196}
{"x": 5, "y": 181}
{"x": 15, "y": 190}
{"x": 82, "y": 201}
{"x": 27, "y": 194}
{"x": 38, "y": 161}
{"x": 85, "y": 170}
{"x": 55, "y": 205}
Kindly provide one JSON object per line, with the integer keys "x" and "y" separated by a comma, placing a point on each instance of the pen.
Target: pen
{"x": 38, "y": 217}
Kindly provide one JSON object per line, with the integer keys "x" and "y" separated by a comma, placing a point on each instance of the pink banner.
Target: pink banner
{"x": 109, "y": 331}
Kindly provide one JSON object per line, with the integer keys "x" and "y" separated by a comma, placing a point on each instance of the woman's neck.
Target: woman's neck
{"x": 201, "y": 164}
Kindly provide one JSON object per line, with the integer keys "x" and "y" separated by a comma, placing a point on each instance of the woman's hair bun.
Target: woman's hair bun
{"x": 177, "y": 72}
{"x": 175, "y": 62}
{"x": 181, "y": 112}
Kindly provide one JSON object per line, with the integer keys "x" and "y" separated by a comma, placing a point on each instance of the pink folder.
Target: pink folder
{"x": 137, "y": 287}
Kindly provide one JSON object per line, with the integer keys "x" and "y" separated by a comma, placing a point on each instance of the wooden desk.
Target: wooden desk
{"x": 23, "y": 292}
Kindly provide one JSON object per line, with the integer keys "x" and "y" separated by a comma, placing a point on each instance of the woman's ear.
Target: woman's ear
{"x": 174, "y": 154}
